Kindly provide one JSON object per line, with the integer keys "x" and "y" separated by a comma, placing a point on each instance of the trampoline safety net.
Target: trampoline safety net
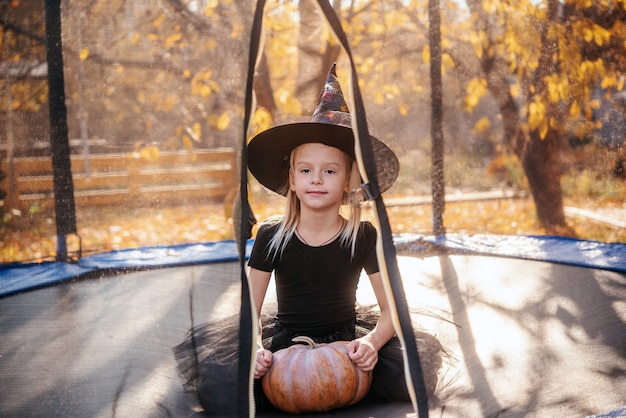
{"x": 121, "y": 126}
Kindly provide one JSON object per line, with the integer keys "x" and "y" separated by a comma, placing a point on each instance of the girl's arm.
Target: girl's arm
{"x": 259, "y": 281}
{"x": 364, "y": 351}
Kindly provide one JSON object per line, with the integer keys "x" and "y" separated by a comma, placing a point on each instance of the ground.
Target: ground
{"x": 30, "y": 238}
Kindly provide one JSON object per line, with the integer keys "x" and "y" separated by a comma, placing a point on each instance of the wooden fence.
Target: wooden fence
{"x": 127, "y": 179}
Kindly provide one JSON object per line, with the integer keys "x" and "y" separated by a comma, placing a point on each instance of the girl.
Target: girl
{"x": 317, "y": 257}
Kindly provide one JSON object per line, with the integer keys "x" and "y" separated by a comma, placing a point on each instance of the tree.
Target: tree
{"x": 542, "y": 61}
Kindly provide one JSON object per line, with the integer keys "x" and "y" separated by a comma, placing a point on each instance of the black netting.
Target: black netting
{"x": 154, "y": 98}
{"x": 133, "y": 142}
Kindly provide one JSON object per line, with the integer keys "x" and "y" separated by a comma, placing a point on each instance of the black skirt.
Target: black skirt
{"x": 207, "y": 360}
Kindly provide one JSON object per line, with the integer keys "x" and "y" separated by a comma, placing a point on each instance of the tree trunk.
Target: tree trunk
{"x": 313, "y": 66}
{"x": 539, "y": 157}
{"x": 541, "y": 166}
{"x": 263, "y": 88}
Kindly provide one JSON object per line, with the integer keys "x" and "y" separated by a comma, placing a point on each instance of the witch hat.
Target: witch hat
{"x": 330, "y": 124}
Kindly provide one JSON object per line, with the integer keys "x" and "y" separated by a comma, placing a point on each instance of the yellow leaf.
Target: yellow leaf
{"x": 391, "y": 89}
{"x": 554, "y": 123}
{"x": 293, "y": 105}
{"x": 376, "y": 28}
{"x": 476, "y": 89}
{"x": 470, "y": 102}
{"x": 149, "y": 153}
{"x": 404, "y": 110}
{"x": 426, "y": 54}
{"x": 482, "y": 125}
{"x": 262, "y": 117}
{"x": 555, "y": 88}
{"x": 601, "y": 36}
{"x": 223, "y": 121}
{"x": 574, "y": 110}
{"x": 478, "y": 41}
{"x": 205, "y": 91}
{"x": 197, "y": 130}
{"x": 515, "y": 90}
{"x": 447, "y": 60}
{"x": 237, "y": 31}
{"x": 84, "y": 54}
{"x": 172, "y": 39}
{"x": 158, "y": 21}
{"x": 609, "y": 81}
{"x": 599, "y": 66}
{"x": 536, "y": 115}
{"x": 261, "y": 121}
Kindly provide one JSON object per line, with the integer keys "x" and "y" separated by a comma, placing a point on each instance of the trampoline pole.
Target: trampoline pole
{"x": 437, "y": 173}
{"x": 64, "y": 204}
{"x": 61, "y": 248}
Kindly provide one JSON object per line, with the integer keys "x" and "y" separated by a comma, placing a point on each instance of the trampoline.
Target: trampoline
{"x": 530, "y": 337}
{"x": 534, "y": 326}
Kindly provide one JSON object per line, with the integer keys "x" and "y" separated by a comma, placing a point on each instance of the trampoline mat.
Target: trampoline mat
{"x": 528, "y": 338}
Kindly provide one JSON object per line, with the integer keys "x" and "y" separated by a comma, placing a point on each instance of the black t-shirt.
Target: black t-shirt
{"x": 316, "y": 286}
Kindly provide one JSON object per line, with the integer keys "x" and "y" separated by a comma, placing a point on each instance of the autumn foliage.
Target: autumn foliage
{"x": 533, "y": 101}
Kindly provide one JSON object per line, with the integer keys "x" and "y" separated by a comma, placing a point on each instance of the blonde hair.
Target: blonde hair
{"x": 288, "y": 223}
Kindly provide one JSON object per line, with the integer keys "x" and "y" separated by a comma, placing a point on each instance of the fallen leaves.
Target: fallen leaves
{"x": 33, "y": 238}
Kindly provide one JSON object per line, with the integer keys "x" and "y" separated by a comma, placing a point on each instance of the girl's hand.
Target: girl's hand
{"x": 363, "y": 354}
{"x": 263, "y": 362}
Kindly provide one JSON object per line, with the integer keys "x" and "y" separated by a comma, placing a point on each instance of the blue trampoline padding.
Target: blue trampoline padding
{"x": 563, "y": 250}
{"x": 166, "y": 256}
{"x": 16, "y": 278}
{"x": 617, "y": 413}
{"x": 608, "y": 256}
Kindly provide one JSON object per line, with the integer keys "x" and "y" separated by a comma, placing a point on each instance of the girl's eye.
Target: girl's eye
{"x": 329, "y": 171}
{"x": 305, "y": 171}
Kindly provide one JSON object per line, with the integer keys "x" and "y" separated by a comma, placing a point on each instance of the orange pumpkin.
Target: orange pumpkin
{"x": 314, "y": 378}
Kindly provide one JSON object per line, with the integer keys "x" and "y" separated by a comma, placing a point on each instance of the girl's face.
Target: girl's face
{"x": 319, "y": 175}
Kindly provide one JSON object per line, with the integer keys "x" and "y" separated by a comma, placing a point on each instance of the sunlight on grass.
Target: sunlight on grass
{"x": 106, "y": 229}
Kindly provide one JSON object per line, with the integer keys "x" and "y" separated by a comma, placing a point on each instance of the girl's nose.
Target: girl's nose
{"x": 316, "y": 178}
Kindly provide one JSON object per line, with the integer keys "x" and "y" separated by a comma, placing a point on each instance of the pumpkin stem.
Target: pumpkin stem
{"x": 305, "y": 339}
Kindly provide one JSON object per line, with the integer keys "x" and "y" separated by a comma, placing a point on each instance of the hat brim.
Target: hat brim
{"x": 269, "y": 152}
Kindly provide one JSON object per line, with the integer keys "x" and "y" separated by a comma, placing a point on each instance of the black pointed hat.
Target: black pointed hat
{"x": 330, "y": 124}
